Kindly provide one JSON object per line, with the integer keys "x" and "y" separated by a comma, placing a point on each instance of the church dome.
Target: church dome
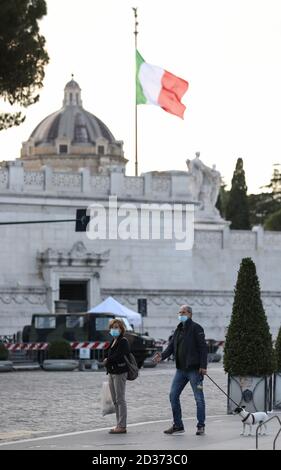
{"x": 72, "y": 138}
{"x": 72, "y": 123}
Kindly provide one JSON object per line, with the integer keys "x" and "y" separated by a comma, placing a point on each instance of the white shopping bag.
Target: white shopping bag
{"x": 107, "y": 404}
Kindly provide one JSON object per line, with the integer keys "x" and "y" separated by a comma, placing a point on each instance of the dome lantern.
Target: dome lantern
{"x": 72, "y": 94}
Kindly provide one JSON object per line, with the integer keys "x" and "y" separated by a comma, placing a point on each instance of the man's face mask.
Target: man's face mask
{"x": 183, "y": 318}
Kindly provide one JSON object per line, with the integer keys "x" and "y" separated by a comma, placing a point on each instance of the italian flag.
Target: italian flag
{"x": 155, "y": 85}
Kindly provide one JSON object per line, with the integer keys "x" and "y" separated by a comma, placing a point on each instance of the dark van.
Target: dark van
{"x": 85, "y": 327}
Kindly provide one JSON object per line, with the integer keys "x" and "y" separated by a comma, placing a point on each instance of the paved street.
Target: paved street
{"x": 44, "y": 404}
{"x": 37, "y": 403}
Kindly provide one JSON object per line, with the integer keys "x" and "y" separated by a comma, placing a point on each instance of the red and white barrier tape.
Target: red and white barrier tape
{"x": 44, "y": 346}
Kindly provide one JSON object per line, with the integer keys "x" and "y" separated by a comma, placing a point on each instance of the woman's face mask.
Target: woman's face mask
{"x": 115, "y": 332}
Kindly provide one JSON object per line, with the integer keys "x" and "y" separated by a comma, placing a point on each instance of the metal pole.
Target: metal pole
{"x": 38, "y": 221}
{"x": 136, "y": 107}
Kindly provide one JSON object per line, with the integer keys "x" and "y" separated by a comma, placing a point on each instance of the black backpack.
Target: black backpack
{"x": 133, "y": 371}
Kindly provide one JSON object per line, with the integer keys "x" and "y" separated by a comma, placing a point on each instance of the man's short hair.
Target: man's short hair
{"x": 187, "y": 308}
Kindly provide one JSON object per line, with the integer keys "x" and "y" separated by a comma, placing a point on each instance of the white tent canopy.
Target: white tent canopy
{"x": 110, "y": 305}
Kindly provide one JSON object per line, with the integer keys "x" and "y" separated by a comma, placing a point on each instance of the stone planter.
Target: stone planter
{"x": 277, "y": 391}
{"x": 60, "y": 364}
{"x": 6, "y": 366}
{"x": 149, "y": 363}
{"x": 90, "y": 365}
{"x": 255, "y": 393}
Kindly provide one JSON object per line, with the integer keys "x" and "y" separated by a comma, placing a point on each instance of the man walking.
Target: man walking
{"x": 189, "y": 348}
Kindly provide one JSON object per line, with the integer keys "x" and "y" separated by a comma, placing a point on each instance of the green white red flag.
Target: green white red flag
{"x": 155, "y": 85}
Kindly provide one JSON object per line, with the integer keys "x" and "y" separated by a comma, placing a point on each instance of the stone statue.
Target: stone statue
{"x": 216, "y": 176}
{"x": 196, "y": 172}
{"x": 206, "y": 184}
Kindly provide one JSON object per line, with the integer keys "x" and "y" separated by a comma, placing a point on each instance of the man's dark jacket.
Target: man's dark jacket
{"x": 194, "y": 345}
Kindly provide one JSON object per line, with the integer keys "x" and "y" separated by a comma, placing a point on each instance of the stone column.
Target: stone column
{"x": 95, "y": 294}
{"x": 147, "y": 184}
{"x": 116, "y": 183}
{"x": 51, "y": 280}
{"x": 15, "y": 175}
{"x": 259, "y": 231}
{"x": 85, "y": 180}
{"x": 179, "y": 186}
{"x": 225, "y": 236}
{"x": 48, "y": 178}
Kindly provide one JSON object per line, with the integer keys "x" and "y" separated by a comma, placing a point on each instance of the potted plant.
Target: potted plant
{"x": 5, "y": 364}
{"x": 60, "y": 357}
{"x": 249, "y": 357}
{"x": 277, "y": 374}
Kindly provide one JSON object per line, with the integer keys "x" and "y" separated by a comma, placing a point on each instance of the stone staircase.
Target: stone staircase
{"x": 23, "y": 360}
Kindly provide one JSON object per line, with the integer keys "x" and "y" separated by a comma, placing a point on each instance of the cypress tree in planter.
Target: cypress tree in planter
{"x": 277, "y": 375}
{"x": 60, "y": 357}
{"x": 5, "y": 364}
{"x": 248, "y": 353}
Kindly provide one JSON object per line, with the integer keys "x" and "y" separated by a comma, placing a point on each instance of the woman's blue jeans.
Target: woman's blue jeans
{"x": 180, "y": 380}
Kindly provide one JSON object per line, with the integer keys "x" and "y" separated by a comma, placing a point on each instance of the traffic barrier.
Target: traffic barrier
{"x": 89, "y": 345}
{"x": 44, "y": 346}
{"x": 39, "y": 351}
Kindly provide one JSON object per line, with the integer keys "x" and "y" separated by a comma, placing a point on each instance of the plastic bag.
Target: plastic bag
{"x": 107, "y": 404}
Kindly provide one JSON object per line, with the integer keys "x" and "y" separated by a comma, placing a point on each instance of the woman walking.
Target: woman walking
{"x": 117, "y": 370}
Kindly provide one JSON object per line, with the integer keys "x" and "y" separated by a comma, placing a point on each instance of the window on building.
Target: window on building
{"x": 63, "y": 148}
{"x": 100, "y": 150}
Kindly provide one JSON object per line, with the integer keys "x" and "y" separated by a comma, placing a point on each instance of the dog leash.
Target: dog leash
{"x": 222, "y": 390}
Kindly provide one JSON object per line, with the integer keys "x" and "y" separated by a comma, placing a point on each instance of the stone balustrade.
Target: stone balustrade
{"x": 152, "y": 186}
{"x": 14, "y": 178}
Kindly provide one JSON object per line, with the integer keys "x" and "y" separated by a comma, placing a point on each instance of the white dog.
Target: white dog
{"x": 251, "y": 419}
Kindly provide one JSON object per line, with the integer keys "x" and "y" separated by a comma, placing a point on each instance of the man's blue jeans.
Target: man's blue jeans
{"x": 180, "y": 380}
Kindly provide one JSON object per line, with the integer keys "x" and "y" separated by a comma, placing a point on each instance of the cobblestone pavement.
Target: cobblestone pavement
{"x": 38, "y": 403}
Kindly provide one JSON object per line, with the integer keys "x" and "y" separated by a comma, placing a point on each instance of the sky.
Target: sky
{"x": 228, "y": 50}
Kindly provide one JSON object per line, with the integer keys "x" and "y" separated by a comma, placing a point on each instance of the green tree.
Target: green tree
{"x": 222, "y": 200}
{"x": 261, "y": 206}
{"x": 278, "y": 351}
{"x": 59, "y": 349}
{"x": 273, "y": 222}
{"x": 248, "y": 345}
{"x": 22, "y": 55}
{"x": 237, "y": 211}
{"x": 275, "y": 182}
{"x": 4, "y": 353}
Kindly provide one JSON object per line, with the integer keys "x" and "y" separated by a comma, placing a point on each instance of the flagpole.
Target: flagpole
{"x": 136, "y": 107}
